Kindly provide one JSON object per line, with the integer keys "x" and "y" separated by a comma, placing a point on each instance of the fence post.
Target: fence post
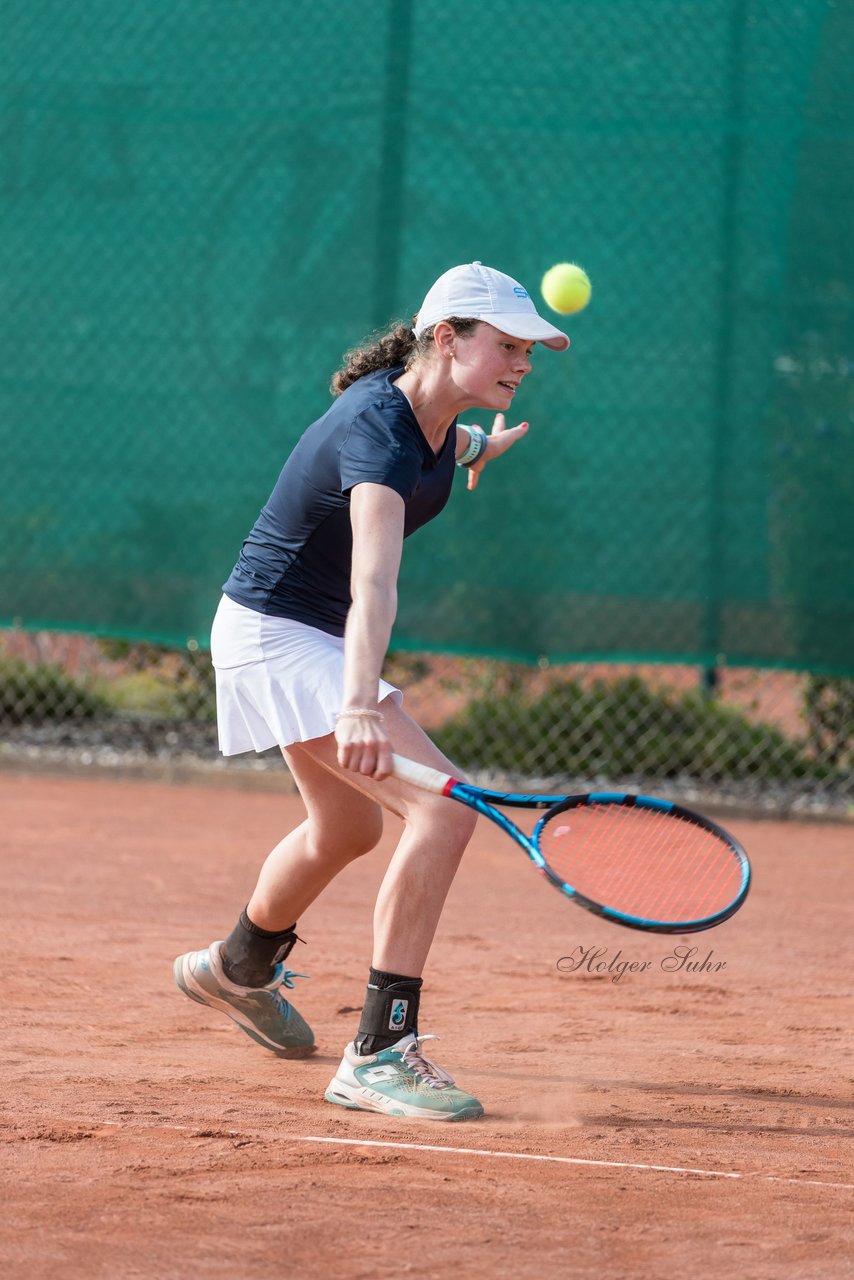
{"x": 390, "y": 215}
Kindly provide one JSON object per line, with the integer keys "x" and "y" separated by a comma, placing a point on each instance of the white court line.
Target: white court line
{"x": 604, "y": 1164}
{"x": 481, "y": 1151}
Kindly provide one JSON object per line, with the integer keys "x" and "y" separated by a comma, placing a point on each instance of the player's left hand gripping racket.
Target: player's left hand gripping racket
{"x": 641, "y": 862}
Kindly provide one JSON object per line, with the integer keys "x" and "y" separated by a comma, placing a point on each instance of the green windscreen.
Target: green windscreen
{"x": 204, "y": 204}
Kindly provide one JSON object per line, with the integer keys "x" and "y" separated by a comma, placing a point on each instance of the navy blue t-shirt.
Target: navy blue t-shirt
{"x": 296, "y": 561}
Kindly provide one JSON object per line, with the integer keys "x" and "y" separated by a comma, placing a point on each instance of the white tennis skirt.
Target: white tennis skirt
{"x": 277, "y": 681}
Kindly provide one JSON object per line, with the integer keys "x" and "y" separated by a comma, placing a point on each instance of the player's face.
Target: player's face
{"x": 489, "y": 366}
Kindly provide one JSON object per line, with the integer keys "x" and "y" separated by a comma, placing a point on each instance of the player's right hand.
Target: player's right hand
{"x": 364, "y": 746}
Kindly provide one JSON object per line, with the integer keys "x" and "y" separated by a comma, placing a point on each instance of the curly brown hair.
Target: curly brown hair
{"x": 386, "y": 350}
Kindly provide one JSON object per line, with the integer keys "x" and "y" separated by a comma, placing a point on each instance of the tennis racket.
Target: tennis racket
{"x": 640, "y": 862}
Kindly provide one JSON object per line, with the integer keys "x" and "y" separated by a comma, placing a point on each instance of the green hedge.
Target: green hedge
{"x": 32, "y": 694}
{"x": 623, "y": 729}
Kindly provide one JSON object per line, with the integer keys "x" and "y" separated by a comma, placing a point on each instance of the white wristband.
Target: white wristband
{"x": 475, "y": 448}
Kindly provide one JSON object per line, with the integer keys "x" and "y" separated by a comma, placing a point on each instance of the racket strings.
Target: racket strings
{"x": 664, "y": 866}
{"x": 678, "y": 871}
{"x": 647, "y": 863}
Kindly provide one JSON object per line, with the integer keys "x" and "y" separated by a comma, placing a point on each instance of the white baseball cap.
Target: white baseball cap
{"x": 476, "y": 292}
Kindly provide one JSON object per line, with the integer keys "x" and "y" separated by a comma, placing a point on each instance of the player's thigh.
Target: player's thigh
{"x": 336, "y": 810}
{"x": 410, "y": 740}
{"x": 401, "y": 798}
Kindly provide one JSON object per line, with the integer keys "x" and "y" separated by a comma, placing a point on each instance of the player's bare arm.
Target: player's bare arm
{"x": 376, "y": 516}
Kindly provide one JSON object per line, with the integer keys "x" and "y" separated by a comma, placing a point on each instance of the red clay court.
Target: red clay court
{"x": 652, "y": 1124}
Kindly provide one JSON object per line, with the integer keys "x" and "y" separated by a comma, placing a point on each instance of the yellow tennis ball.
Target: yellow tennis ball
{"x": 566, "y": 288}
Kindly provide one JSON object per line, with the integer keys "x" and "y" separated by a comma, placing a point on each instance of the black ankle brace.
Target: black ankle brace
{"x": 249, "y": 953}
{"x": 390, "y": 1011}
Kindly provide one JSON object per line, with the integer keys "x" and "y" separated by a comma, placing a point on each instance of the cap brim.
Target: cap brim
{"x": 531, "y": 327}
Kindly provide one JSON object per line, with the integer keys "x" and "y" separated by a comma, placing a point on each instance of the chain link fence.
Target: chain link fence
{"x": 768, "y": 740}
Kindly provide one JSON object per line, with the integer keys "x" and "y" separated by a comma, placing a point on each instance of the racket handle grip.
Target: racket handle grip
{"x": 420, "y": 775}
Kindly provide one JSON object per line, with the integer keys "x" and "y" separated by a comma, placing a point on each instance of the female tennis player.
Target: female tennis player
{"x": 298, "y": 644}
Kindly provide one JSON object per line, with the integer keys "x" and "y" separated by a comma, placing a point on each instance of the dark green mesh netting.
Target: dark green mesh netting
{"x": 203, "y": 204}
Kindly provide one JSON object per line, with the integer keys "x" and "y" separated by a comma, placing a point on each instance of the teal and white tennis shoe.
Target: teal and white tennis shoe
{"x": 262, "y": 1012}
{"x": 400, "y": 1081}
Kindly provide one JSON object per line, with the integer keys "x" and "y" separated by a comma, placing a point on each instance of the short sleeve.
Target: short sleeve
{"x": 374, "y": 452}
